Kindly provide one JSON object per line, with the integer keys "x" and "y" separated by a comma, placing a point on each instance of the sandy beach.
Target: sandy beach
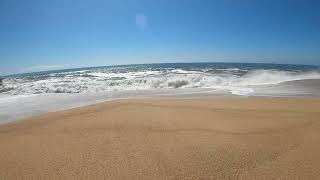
{"x": 223, "y": 138}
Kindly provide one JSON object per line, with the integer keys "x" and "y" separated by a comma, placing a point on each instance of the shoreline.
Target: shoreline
{"x": 221, "y": 138}
{"x": 22, "y": 107}
{"x": 186, "y": 96}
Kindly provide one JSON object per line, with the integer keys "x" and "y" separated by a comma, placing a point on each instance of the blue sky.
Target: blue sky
{"x": 41, "y": 34}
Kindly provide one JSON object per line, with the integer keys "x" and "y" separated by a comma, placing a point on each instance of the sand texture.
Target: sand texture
{"x": 230, "y": 138}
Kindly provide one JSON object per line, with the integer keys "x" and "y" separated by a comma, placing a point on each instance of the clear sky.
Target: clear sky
{"x": 53, "y": 34}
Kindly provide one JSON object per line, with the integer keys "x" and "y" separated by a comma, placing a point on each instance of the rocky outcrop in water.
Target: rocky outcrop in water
{"x": 0, "y": 81}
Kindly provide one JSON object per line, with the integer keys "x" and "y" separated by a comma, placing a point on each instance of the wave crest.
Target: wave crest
{"x": 101, "y": 80}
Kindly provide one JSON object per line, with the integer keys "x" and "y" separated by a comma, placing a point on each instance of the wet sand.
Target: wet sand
{"x": 227, "y": 138}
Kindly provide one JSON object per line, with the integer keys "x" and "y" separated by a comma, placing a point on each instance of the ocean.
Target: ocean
{"x": 29, "y": 94}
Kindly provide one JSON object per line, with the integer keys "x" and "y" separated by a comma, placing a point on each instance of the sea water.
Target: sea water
{"x": 29, "y": 94}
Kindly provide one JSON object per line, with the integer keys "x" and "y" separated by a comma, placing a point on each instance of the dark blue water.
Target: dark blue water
{"x": 214, "y": 67}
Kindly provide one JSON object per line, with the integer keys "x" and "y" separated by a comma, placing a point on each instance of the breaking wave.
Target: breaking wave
{"x": 240, "y": 81}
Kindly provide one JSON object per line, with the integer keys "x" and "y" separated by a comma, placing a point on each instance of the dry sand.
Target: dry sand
{"x": 239, "y": 138}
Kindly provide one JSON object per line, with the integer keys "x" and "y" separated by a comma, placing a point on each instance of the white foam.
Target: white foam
{"x": 22, "y": 97}
{"x": 264, "y": 77}
{"x": 102, "y": 81}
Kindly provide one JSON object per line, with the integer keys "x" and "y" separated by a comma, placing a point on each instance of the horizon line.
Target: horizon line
{"x": 129, "y": 64}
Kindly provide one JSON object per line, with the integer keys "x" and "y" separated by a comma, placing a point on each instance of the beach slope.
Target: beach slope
{"x": 229, "y": 138}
